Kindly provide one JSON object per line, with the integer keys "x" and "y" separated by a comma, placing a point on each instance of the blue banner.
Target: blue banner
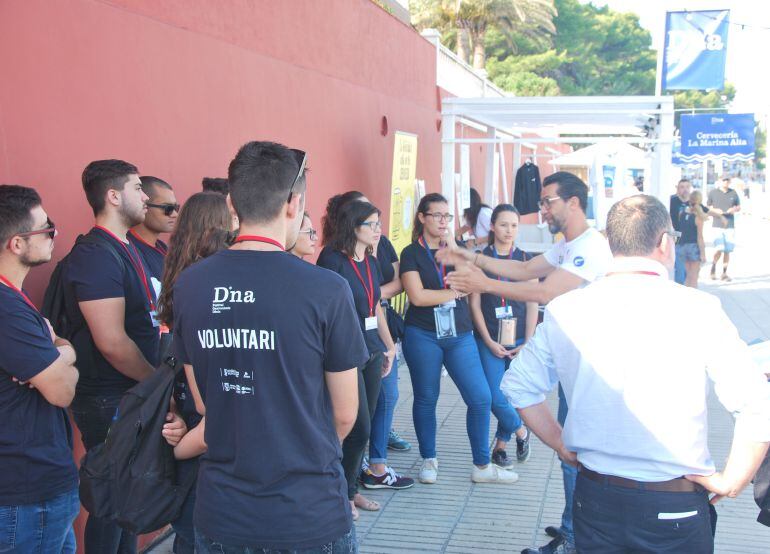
{"x": 717, "y": 136}
{"x": 695, "y": 50}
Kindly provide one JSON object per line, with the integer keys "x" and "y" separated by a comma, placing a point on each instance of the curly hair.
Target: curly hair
{"x": 333, "y": 206}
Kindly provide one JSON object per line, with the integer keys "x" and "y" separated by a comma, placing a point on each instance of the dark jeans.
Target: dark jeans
{"x": 382, "y": 421}
{"x": 346, "y": 544}
{"x": 611, "y": 520}
{"x": 184, "y": 539}
{"x": 42, "y": 527}
{"x": 369, "y": 379}
{"x": 93, "y": 416}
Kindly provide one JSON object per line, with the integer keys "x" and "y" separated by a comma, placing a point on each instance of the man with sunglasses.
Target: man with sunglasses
{"x": 160, "y": 218}
{"x": 581, "y": 257}
{"x": 637, "y": 423}
{"x": 38, "y": 481}
{"x": 270, "y": 345}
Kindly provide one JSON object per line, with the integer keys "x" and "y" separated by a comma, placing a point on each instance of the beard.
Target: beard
{"x": 132, "y": 215}
{"x": 555, "y": 227}
{"x": 28, "y": 261}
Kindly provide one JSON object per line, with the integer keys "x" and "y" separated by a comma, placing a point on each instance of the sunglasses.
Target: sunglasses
{"x": 168, "y": 209}
{"x": 49, "y": 229}
{"x": 302, "y": 161}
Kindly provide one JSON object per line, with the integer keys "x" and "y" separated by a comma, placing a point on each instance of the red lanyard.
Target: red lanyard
{"x": 654, "y": 274}
{"x": 257, "y": 238}
{"x": 155, "y": 247}
{"x": 510, "y": 257}
{"x": 441, "y": 272}
{"x": 369, "y": 291}
{"x": 135, "y": 261}
{"x": 10, "y": 285}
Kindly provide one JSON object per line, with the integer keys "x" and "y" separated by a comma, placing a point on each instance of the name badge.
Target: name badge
{"x": 503, "y": 312}
{"x": 450, "y": 304}
{"x": 370, "y": 323}
{"x": 154, "y": 318}
{"x": 445, "y": 322}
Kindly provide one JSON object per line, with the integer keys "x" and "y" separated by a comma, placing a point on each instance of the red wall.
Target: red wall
{"x": 175, "y": 87}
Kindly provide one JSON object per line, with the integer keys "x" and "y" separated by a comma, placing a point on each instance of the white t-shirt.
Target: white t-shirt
{"x": 587, "y": 256}
{"x": 483, "y": 223}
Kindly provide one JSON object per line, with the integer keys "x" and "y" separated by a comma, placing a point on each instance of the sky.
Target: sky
{"x": 748, "y": 49}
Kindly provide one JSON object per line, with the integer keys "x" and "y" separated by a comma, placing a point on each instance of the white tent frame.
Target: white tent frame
{"x": 643, "y": 119}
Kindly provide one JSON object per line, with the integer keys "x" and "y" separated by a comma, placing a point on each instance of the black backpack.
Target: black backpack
{"x": 131, "y": 477}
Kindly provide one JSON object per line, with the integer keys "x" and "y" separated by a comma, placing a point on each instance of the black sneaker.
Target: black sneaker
{"x": 395, "y": 442}
{"x": 388, "y": 480}
{"x": 556, "y": 546}
{"x": 522, "y": 448}
{"x": 500, "y": 459}
{"x": 553, "y": 531}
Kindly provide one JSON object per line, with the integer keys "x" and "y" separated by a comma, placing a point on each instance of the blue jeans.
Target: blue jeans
{"x": 383, "y": 417}
{"x": 680, "y": 271}
{"x": 184, "y": 538}
{"x": 40, "y": 528}
{"x": 425, "y": 354}
{"x": 615, "y": 519}
{"x": 93, "y": 416}
{"x": 569, "y": 475}
{"x": 346, "y": 544}
{"x": 508, "y": 419}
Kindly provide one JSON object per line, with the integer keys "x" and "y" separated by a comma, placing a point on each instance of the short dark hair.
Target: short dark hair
{"x": 569, "y": 185}
{"x": 102, "y": 175}
{"x": 333, "y": 205}
{"x": 636, "y": 224}
{"x": 16, "y": 203}
{"x": 350, "y": 216}
{"x": 149, "y": 183}
{"x": 216, "y": 184}
{"x": 260, "y": 177}
{"x": 422, "y": 208}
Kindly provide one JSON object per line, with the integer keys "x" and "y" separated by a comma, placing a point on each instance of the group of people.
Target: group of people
{"x": 290, "y": 368}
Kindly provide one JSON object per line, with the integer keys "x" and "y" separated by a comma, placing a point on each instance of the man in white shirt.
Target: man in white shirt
{"x": 637, "y": 423}
{"x": 581, "y": 257}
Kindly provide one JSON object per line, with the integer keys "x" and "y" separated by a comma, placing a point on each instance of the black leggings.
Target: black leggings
{"x": 369, "y": 379}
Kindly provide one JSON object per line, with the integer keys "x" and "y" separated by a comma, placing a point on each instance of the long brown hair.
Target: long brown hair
{"x": 351, "y": 216}
{"x": 422, "y": 208}
{"x": 203, "y": 228}
{"x": 333, "y": 206}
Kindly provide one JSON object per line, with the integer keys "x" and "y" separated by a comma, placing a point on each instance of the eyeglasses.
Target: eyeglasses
{"x": 373, "y": 225}
{"x": 311, "y": 233}
{"x": 302, "y": 161}
{"x": 545, "y": 202}
{"x": 439, "y": 217}
{"x": 675, "y": 236}
{"x": 168, "y": 209}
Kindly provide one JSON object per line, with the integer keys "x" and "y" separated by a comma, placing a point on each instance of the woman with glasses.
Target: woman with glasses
{"x": 349, "y": 254}
{"x": 501, "y": 328}
{"x": 203, "y": 228}
{"x": 306, "y": 240}
{"x": 439, "y": 332}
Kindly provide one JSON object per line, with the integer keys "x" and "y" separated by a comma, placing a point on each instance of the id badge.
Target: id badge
{"x": 445, "y": 321}
{"x": 506, "y": 332}
{"x": 450, "y": 304}
{"x": 503, "y": 312}
{"x": 370, "y": 323}
{"x": 154, "y": 318}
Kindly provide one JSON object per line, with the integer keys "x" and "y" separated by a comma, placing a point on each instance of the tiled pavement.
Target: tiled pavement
{"x": 455, "y": 515}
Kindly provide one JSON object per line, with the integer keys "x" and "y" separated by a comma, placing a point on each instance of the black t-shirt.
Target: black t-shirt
{"x": 260, "y": 330}
{"x": 386, "y": 257}
{"x": 724, "y": 201}
{"x": 155, "y": 256}
{"x": 675, "y": 208}
{"x": 490, "y": 302}
{"x": 35, "y": 436}
{"x": 93, "y": 273}
{"x": 339, "y": 263}
{"x": 415, "y": 258}
{"x": 688, "y": 228}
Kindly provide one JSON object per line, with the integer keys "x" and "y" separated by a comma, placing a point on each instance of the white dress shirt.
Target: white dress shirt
{"x": 634, "y": 353}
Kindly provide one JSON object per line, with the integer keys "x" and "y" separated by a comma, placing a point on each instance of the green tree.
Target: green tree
{"x": 701, "y": 101}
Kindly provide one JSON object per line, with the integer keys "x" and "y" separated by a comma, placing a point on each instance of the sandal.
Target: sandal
{"x": 364, "y": 503}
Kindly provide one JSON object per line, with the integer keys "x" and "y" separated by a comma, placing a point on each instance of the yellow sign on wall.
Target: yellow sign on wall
{"x": 402, "y": 190}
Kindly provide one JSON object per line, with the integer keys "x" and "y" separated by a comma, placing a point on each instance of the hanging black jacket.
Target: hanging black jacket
{"x": 527, "y": 191}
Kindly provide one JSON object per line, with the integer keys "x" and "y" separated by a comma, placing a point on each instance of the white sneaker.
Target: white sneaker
{"x": 493, "y": 474}
{"x": 428, "y": 471}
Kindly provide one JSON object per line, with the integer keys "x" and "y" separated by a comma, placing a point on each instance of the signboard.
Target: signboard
{"x": 695, "y": 50}
{"x": 402, "y": 204}
{"x": 717, "y": 136}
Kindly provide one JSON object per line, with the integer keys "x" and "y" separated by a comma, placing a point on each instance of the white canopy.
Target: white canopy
{"x": 632, "y": 157}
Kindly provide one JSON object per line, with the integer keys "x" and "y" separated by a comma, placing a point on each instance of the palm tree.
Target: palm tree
{"x": 472, "y": 18}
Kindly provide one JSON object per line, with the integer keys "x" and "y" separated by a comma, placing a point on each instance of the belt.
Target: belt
{"x": 674, "y": 485}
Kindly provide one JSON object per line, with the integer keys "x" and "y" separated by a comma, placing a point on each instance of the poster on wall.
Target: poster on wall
{"x": 402, "y": 190}
{"x": 695, "y": 50}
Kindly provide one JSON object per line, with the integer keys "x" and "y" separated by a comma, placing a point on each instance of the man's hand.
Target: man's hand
{"x": 174, "y": 429}
{"x": 467, "y": 278}
{"x": 716, "y": 483}
{"x": 567, "y": 456}
{"x": 451, "y": 255}
{"x": 387, "y": 362}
